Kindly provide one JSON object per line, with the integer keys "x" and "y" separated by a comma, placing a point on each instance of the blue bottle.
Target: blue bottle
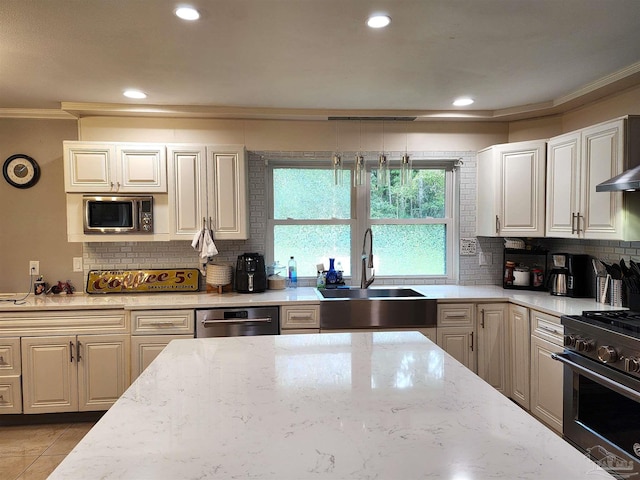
{"x": 332, "y": 275}
{"x": 293, "y": 273}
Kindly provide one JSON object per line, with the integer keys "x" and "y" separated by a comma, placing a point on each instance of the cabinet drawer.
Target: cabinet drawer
{"x": 157, "y": 322}
{"x": 10, "y": 356}
{"x": 547, "y": 326}
{"x": 299, "y": 316}
{"x": 456, "y": 315}
{"x": 10, "y": 394}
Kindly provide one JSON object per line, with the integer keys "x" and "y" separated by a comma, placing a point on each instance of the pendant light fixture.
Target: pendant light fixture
{"x": 383, "y": 165}
{"x": 405, "y": 163}
{"x": 337, "y": 163}
{"x": 359, "y": 169}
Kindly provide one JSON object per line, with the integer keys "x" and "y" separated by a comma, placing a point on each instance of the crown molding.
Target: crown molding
{"x": 42, "y": 113}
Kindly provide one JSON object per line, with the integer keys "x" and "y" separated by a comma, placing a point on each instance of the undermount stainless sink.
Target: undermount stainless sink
{"x": 353, "y": 308}
{"x": 369, "y": 292}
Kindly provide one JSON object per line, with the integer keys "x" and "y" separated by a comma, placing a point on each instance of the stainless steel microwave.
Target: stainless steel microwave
{"x": 118, "y": 214}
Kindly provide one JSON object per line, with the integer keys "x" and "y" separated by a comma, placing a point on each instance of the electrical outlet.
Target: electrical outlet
{"x": 77, "y": 264}
{"x": 34, "y": 267}
{"x": 485, "y": 258}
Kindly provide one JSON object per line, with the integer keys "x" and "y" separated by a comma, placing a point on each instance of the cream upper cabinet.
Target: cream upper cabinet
{"x": 576, "y": 163}
{"x": 511, "y": 190}
{"x": 519, "y": 354}
{"x": 101, "y": 167}
{"x": 208, "y": 184}
{"x": 187, "y": 190}
{"x": 493, "y": 346}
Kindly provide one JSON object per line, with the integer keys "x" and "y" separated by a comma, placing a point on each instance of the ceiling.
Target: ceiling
{"x": 317, "y": 58}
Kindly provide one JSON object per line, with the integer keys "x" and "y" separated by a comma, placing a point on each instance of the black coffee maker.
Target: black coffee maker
{"x": 251, "y": 274}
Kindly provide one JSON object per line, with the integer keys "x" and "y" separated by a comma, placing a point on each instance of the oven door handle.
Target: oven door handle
{"x": 211, "y": 323}
{"x": 615, "y": 386}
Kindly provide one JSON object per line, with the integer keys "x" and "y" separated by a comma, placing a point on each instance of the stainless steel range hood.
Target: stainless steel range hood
{"x": 627, "y": 180}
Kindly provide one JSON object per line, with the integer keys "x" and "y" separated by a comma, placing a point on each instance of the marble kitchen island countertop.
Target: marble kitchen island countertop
{"x": 331, "y": 406}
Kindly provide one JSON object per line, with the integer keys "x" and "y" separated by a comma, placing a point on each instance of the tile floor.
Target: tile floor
{"x": 32, "y": 452}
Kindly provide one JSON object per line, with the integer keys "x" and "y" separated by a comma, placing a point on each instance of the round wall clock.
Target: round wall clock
{"x": 21, "y": 171}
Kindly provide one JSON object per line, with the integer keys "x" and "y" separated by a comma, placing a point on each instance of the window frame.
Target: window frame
{"x": 360, "y": 214}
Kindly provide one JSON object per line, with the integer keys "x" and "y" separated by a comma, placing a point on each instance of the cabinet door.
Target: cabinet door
{"x": 187, "y": 191}
{"x": 601, "y": 213}
{"x": 103, "y": 370}
{"x": 89, "y": 167}
{"x": 141, "y": 168}
{"x": 488, "y": 173}
{"x": 50, "y": 380}
{"x": 563, "y": 174}
{"x": 492, "y": 346}
{"x": 546, "y": 383}
{"x": 519, "y": 353}
{"x": 10, "y": 394}
{"x": 227, "y": 198}
{"x": 145, "y": 348}
{"x": 459, "y": 343}
{"x": 522, "y": 189}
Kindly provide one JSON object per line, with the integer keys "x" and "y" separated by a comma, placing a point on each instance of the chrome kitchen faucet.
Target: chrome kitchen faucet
{"x": 364, "y": 282}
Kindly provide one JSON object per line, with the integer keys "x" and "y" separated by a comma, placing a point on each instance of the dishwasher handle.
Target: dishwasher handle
{"x": 209, "y": 323}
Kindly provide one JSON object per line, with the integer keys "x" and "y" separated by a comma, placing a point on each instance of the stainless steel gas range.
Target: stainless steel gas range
{"x": 602, "y": 388}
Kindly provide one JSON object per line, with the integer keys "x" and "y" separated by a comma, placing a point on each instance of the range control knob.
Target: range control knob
{"x": 632, "y": 364}
{"x": 584, "y": 345}
{"x": 569, "y": 340}
{"x": 607, "y": 354}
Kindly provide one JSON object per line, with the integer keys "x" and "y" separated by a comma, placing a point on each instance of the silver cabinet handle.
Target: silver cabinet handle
{"x": 573, "y": 223}
{"x": 301, "y": 317}
{"x": 79, "y": 345}
{"x": 497, "y": 224}
{"x": 162, "y": 324}
{"x": 472, "y": 341}
{"x": 482, "y": 318}
{"x": 70, "y": 352}
{"x": 578, "y": 217}
{"x": 548, "y": 330}
{"x": 455, "y": 315}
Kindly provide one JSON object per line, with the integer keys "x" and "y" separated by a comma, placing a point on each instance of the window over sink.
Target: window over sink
{"x": 313, "y": 218}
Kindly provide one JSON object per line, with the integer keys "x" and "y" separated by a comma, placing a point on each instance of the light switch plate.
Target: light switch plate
{"x": 77, "y": 264}
{"x": 485, "y": 258}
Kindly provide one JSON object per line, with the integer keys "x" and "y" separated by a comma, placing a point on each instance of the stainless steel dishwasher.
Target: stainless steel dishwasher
{"x": 237, "y": 322}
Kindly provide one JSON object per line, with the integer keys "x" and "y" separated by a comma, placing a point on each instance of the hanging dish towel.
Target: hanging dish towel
{"x": 203, "y": 243}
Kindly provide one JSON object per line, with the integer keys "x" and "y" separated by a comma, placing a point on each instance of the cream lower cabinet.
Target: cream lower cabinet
{"x": 546, "y": 373}
{"x": 519, "y": 354}
{"x": 152, "y": 330}
{"x": 456, "y": 332}
{"x": 299, "y": 319}
{"x": 74, "y": 373}
{"x": 493, "y": 367}
{"x": 10, "y": 376}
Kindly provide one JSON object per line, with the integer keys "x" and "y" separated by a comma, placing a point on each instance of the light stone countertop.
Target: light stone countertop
{"x": 445, "y": 293}
{"x": 329, "y": 406}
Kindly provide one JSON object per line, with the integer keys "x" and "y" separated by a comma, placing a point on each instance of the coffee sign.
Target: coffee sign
{"x": 146, "y": 281}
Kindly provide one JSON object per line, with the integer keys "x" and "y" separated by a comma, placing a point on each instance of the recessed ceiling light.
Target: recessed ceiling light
{"x": 134, "y": 94}
{"x": 378, "y": 21}
{"x": 187, "y": 13}
{"x": 462, "y": 101}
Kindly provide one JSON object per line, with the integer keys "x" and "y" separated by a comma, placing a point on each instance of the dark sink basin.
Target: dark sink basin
{"x": 375, "y": 308}
{"x": 369, "y": 292}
